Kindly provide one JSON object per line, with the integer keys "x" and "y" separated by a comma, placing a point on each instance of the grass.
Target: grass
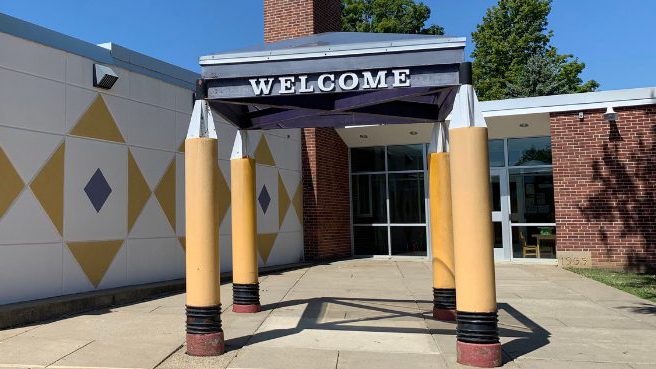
{"x": 638, "y": 284}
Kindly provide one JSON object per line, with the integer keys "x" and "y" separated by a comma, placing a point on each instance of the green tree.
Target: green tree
{"x": 539, "y": 77}
{"x": 387, "y": 16}
{"x": 513, "y": 56}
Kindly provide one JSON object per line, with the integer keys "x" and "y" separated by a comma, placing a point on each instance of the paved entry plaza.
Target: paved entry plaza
{"x": 357, "y": 314}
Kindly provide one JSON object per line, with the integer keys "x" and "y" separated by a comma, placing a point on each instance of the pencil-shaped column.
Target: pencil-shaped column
{"x": 245, "y": 286}
{"x": 203, "y": 308}
{"x": 477, "y": 332}
{"x": 441, "y": 226}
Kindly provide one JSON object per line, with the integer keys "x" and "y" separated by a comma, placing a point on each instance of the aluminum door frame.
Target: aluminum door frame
{"x": 503, "y": 216}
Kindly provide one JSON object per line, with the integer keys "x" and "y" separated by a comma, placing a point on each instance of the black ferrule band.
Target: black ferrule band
{"x": 246, "y": 294}
{"x": 444, "y": 298}
{"x": 203, "y": 320}
{"x": 477, "y": 327}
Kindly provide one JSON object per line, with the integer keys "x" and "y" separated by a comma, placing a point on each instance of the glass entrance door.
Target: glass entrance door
{"x": 532, "y": 213}
{"x": 500, "y": 203}
{"x": 522, "y": 198}
{"x": 388, "y": 200}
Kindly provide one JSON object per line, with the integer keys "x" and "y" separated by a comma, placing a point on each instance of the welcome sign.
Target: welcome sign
{"x": 330, "y": 82}
{"x": 336, "y": 80}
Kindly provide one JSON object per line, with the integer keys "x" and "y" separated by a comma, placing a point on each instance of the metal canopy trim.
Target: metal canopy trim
{"x": 334, "y": 44}
{"x": 336, "y": 80}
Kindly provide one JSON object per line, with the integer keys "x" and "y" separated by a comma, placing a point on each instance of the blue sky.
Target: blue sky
{"x": 614, "y": 38}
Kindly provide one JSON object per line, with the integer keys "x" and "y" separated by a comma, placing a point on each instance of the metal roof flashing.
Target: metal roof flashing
{"x": 333, "y": 44}
{"x": 108, "y": 53}
{"x": 570, "y": 102}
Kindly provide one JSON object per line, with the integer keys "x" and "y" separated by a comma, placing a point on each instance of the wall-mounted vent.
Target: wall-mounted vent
{"x": 104, "y": 77}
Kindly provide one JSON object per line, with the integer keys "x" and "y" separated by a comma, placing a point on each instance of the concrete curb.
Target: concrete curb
{"x": 24, "y": 313}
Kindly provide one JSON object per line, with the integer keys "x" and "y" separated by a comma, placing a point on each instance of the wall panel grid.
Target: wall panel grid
{"x": 92, "y": 181}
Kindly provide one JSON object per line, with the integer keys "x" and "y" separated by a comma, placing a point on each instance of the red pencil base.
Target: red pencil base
{"x": 248, "y": 309}
{"x": 211, "y": 344}
{"x": 445, "y": 315}
{"x": 479, "y": 355}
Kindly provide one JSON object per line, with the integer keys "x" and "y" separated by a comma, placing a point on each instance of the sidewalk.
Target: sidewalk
{"x": 358, "y": 314}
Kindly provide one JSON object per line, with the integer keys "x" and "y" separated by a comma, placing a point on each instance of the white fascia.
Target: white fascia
{"x": 569, "y": 102}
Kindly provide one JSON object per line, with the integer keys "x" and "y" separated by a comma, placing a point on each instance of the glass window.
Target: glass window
{"x": 408, "y": 240}
{"x": 498, "y": 235}
{"x": 531, "y": 195}
{"x": 368, "y": 198}
{"x": 393, "y": 194}
{"x": 529, "y": 151}
{"x": 534, "y": 242}
{"x": 495, "y": 192}
{"x": 368, "y": 159}
{"x": 495, "y": 151}
{"x": 368, "y": 240}
{"x": 406, "y": 197}
{"x": 405, "y": 157}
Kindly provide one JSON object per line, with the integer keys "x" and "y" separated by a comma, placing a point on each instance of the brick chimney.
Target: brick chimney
{"x": 324, "y": 156}
{"x": 285, "y": 19}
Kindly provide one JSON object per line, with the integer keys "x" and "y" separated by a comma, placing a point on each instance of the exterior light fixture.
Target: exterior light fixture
{"x": 523, "y": 125}
{"x": 364, "y": 136}
{"x": 610, "y": 115}
{"x": 103, "y": 76}
{"x": 413, "y": 133}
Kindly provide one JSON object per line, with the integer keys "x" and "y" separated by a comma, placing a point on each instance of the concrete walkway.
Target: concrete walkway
{"x": 358, "y": 314}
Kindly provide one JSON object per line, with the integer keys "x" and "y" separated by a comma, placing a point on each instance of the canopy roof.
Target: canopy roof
{"x": 335, "y": 80}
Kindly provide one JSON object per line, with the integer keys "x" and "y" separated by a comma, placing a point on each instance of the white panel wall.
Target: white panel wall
{"x": 285, "y": 147}
{"x": 43, "y": 94}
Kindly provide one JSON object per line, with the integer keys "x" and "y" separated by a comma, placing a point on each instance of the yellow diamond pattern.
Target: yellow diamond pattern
{"x": 11, "y": 183}
{"x": 48, "y": 187}
{"x": 283, "y": 201}
{"x": 97, "y": 122}
{"x": 165, "y": 193}
{"x": 138, "y": 191}
{"x": 297, "y": 201}
{"x": 263, "y": 153}
{"x": 223, "y": 195}
{"x": 95, "y": 257}
{"x": 265, "y": 243}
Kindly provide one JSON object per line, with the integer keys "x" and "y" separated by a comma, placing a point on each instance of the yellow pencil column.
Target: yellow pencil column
{"x": 245, "y": 286}
{"x": 477, "y": 331}
{"x": 441, "y": 226}
{"x": 203, "y": 305}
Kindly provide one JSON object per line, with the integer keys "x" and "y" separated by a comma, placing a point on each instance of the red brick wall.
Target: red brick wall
{"x": 327, "y": 16}
{"x": 326, "y": 210}
{"x": 284, "y": 19}
{"x": 605, "y": 186}
{"x": 326, "y": 217}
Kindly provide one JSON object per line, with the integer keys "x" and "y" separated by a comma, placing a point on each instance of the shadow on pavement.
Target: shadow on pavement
{"x": 528, "y": 335}
{"x": 642, "y": 308}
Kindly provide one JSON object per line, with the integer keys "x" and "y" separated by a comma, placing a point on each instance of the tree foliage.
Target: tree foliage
{"x": 513, "y": 56}
{"x": 387, "y": 16}
{"x": 540, "y": 77}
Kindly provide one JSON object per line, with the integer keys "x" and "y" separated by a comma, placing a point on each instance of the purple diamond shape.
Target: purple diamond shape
{"x": 97, "y": 190}
{"x": 264, "y": 199}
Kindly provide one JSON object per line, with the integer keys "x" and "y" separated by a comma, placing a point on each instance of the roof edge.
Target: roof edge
{"x": 570, "y": 102}
{"x": 108, "y": 53}
{"x": 309, "y": 52}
